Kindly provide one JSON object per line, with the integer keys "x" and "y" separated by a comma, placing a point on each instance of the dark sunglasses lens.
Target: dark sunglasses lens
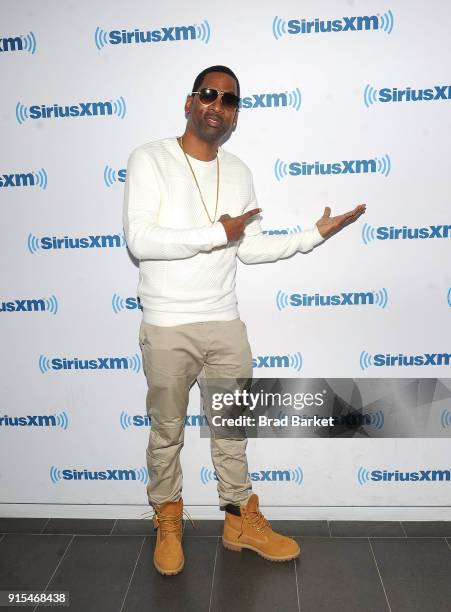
{"x": 207, "y": 95}
{"x": 230, "y": 100}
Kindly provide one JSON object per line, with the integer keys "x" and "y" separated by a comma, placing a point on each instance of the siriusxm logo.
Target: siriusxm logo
{"x": 130, "y": 303}
{"x": 139, "y": 474}
{"x": 111, "y": 176}
{"x": 101, "y": 241}
{"x": 359, "y": 23}
{"x": 364, "y": 476}
{"x": 140, "y": 420}
{"x": 448, "y": 297}
{"x": 278, "y": 361}
{"x": 82, "y": 109}
{"x": 388, "y": 360}
{"x": 36, "y": 420}
{"x": 295, "y": 475}
{"x": 289, "y": 230}
{"x": 100, "y": 363}
{"x": 371, "y": 95}
{"x": 28, "y": 179}
{"x": 367, "y": 298}
{"x": 379, "y": 165}
{"x": 49, "y": 304}
{"x": 23, "y": 42}
{"x": 165, "y": 34}
{"x": 273, "y": 100}
{"x": 384, "y": 232}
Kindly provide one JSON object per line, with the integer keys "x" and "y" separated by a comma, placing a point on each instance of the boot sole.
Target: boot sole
{"x": 169, "y": 572}
{"x": 236, "y": 548}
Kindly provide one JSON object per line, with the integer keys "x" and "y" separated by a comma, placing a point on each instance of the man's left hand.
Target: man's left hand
{"x": 328, "y": 225}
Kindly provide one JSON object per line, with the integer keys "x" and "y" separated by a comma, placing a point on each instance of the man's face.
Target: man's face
{"x": 214, "y": 122}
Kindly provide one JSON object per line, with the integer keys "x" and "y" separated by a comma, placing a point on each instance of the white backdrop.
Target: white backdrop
{"x": 64, "y": 177}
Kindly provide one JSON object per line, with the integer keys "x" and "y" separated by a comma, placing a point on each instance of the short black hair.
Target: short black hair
{"x": 200, "y": 77}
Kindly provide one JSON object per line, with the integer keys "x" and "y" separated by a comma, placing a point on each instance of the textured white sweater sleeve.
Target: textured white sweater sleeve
{"x": 145, "y": 238}
{"x": 256, "y": 247}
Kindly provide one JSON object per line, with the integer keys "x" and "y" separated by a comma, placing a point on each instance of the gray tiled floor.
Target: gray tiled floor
{"x": 352, "y": 566}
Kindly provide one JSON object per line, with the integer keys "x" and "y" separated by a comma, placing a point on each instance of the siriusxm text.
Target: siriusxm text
{"x": 169, "y": 34}
{"x": 350, "y": 166}
{"x": 344, "y": 24}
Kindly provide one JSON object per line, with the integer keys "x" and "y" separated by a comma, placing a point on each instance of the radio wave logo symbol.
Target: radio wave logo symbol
{"x": 368, "y": 233}
{"x": 118, "y": 303}
{"x": 40, "y": 178}
{"x": 366, "y": 360}
{"x": 386, "y": 22}
{"x": 142, "y": 475}
{"x": 134, "y": 362}
{"x": 206, "y": 475}
{"x": 369, "y": 96}
{"x": 448, "y": 297}
{"x": 294, "y": 98}
{"x": 33, "y": 243}
{"x": 29, "y": 42}
{"x": 383, "y": 165}
{"x": 381, "y": 297}
{"x": 21, "y": 112}
{"x": 280, "y": 169}
{"x": 446, "y": 418}
{"x": 109, "y": 176}
{"x": 119, "y": 107}
{"x": 55, "y": 474}
{"x": 295, "y": 229}
{"x": 297, "y": 475}
{"x": 279, "y": 27}
{"x": 296, "y": 361}
{"x": 377, "y": 419}
{"x": 44, "y": 364}
{"x": 125, "y": 420}
{"x": 281, "y": 300}
{"x": 203, "y": 31}
{"x": 51, "y": 304}
{"x": 363, "y": 475}
{"x": 100, "y": 38}
{"x": 62, "y": 420}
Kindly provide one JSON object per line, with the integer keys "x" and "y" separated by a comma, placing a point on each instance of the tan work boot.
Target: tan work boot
{"x": 246, "y": 527}
{"x": 167, "y": 520}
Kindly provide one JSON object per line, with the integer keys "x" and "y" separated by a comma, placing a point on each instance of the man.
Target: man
{"x": 189, "y": 212}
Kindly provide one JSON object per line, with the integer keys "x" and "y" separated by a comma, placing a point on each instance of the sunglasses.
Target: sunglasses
{"x": 207, "y": 95}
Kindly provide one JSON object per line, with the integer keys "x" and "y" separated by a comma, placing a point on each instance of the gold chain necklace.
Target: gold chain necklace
{"x": 195, "y": 179}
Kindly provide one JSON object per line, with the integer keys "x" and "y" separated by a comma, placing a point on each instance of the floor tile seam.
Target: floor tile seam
{"x": 213, "y": 575}
{"x": 297, "y": 584}
{"x": 292, "y": 535}
{"x": 448, "y": 541}
{"x": 132, "y": 574}
{"x": 45, "y": 525}
{"x": 403, "y": 528}
{"x": 56, "y": 569}
{"x": 112, "y": 528}
{"x": 379, "y": 574}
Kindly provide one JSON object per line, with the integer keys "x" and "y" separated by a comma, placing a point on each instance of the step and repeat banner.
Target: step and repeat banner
{"x": 343, "y": 102}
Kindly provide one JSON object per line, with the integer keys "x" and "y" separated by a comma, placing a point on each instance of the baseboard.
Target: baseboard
{"x": 351, "y": 513}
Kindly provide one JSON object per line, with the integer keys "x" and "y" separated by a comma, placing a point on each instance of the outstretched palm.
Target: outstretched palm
{"x": 328, "y": 225}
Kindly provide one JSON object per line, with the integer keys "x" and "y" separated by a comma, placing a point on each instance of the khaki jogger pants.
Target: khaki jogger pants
{"x": 173, "y": 358}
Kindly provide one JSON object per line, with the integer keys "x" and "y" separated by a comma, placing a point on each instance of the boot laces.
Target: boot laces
{"x": 258, "y": 521}
{"x": 167, "y": 520}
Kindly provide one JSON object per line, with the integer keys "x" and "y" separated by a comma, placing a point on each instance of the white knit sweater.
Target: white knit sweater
{"x": 187, "y": 268}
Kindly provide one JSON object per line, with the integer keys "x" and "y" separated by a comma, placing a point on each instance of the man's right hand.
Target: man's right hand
{"x": 234, "y": 226}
